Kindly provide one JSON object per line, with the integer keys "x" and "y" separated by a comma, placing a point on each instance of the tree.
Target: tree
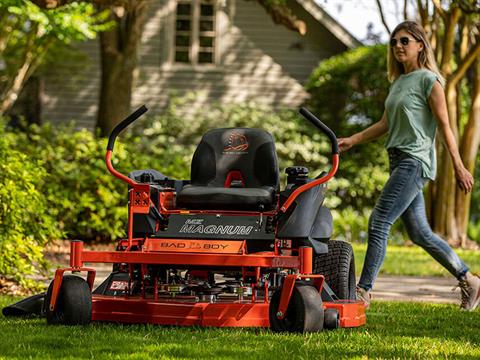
{"x": 28, "y": 33}
{"x": 119, "y": 48}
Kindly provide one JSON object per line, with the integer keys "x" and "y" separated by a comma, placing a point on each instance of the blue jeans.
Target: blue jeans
{"x": 402, "y": 197}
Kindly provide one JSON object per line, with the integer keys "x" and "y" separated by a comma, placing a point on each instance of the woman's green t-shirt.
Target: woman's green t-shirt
{"x": 411, "y": 124}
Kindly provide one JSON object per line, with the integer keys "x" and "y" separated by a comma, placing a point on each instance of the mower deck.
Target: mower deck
{"x": 220, "y": 314}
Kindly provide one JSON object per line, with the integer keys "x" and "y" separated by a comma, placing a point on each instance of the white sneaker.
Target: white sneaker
{"x": 363, "y": 295}
{"x": 470, "y": 291}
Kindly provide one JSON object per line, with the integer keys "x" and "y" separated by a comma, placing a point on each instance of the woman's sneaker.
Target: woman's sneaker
{"x": 363, "y": 295}
{"x": 470, "y": 290}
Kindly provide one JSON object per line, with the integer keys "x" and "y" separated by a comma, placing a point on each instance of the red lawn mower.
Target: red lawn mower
{"x": 227, "y": 248}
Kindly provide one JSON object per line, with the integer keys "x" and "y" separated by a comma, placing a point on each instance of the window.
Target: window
{"x": 195, "y": 32}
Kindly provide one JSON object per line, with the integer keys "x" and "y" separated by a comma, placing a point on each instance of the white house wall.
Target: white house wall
{"x": 256, "y": 60}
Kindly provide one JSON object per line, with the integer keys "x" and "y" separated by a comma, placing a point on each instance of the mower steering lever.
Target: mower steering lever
{"x": 323, "y": 177}
{"x": 320, "y": 125}
{"x": 111, "y": 142}
{"x": 123, "y": 124}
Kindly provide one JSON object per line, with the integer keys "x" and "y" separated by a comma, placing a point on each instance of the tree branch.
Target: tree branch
{"x": 11, "y": 91}
{"x": 438, "y": 7}
{"x": 382, "y": 17}
{"x": 281, "y": 14}
{"x": 450, "y": 21}
{"x": 468, "y": 7}
{"x": 465, "y": 63}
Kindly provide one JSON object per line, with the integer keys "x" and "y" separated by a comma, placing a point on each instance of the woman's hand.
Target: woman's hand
{"x": 345, "y": 143}
{"x": 464, "y": 179}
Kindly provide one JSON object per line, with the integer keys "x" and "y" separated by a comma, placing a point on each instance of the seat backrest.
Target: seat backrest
{"x": 243, "y": 154}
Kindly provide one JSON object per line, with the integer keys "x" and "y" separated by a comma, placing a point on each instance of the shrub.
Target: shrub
{"x": 88, "y": 202}
{"x": 26, "y": 223}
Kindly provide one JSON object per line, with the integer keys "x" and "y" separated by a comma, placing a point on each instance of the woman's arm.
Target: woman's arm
{"x": 371, "y": 133}
{"x": 438, "y": 105}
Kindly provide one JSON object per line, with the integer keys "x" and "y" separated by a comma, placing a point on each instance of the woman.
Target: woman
{"x": 414, "y": 107}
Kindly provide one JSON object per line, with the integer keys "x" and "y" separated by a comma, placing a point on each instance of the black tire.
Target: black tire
{"x": 331, "y": 319}
{"x": 304, "y": 312}
{"x": 74, "y": 303}
{"x": 338, "y": 267}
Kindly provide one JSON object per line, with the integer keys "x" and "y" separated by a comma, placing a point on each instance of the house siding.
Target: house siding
{"x": 256, "y": 60}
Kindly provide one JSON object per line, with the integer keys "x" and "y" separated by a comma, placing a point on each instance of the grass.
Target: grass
{"x": 394, "y": 330}
{"x": 414, "y": 261}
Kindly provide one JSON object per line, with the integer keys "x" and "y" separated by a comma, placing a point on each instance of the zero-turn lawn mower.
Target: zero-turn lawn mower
{"x": 227, "y": 248}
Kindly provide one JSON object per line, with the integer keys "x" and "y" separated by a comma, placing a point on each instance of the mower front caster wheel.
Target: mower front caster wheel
{"x": 74, "y": 303}
{"x": 331, "y": 319}
{"x": 304, "y": 312}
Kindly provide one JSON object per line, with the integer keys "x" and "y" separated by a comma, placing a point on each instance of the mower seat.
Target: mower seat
{"x": 233, "y": 169}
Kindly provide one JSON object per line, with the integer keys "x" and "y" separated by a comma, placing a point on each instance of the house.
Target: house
{"x": 226, "y": 50}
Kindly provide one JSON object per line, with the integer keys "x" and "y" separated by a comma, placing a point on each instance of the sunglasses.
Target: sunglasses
{"x": 403, "y": 40}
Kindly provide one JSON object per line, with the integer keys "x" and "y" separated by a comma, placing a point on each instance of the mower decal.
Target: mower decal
{"x": 119, "y": 285}
{"x": 237, "y": 144}
{"x": 216, "y": 229}
{"x": 219, "y": 227}
{"x": 210, "y": 246}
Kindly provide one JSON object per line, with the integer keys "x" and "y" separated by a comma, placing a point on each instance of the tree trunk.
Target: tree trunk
{"x": 469, "y": 151}
{"x": 444, "y": 222}
{"x": 118, "y": 50}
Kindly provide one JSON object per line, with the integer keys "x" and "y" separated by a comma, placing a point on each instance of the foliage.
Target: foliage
{"x": 25, "y": 220}
{"x": 393, "y": 331}
{"x": 86, "y": 200}
{"x": 29, "y": 33}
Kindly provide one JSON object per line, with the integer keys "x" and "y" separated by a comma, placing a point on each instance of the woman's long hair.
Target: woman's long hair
{"x": 426, "y": 59}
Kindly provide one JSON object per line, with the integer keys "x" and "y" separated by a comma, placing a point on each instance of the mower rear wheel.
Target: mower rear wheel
{"x": 74, "y": 303}
{"x": 304, "y": 312}
{"x": 338, "y": 267}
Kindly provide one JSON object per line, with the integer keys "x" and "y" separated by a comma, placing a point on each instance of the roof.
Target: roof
{"x": 330, "y": 23}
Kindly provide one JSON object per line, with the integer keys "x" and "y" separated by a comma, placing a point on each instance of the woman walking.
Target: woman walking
{"x": 414, "y": 107}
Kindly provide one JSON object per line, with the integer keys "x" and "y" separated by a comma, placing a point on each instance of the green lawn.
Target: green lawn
{"x": 394, "y": 330}
{"x": 406, "y": 260}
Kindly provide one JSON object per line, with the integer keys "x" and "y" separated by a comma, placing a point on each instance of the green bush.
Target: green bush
{"x": 26, "y": 223}
{"x": 88, "y": 202}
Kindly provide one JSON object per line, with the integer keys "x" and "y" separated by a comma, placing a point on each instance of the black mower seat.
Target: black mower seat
{"x": 202, "y": 197}
{"x": 232, "y": 169}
